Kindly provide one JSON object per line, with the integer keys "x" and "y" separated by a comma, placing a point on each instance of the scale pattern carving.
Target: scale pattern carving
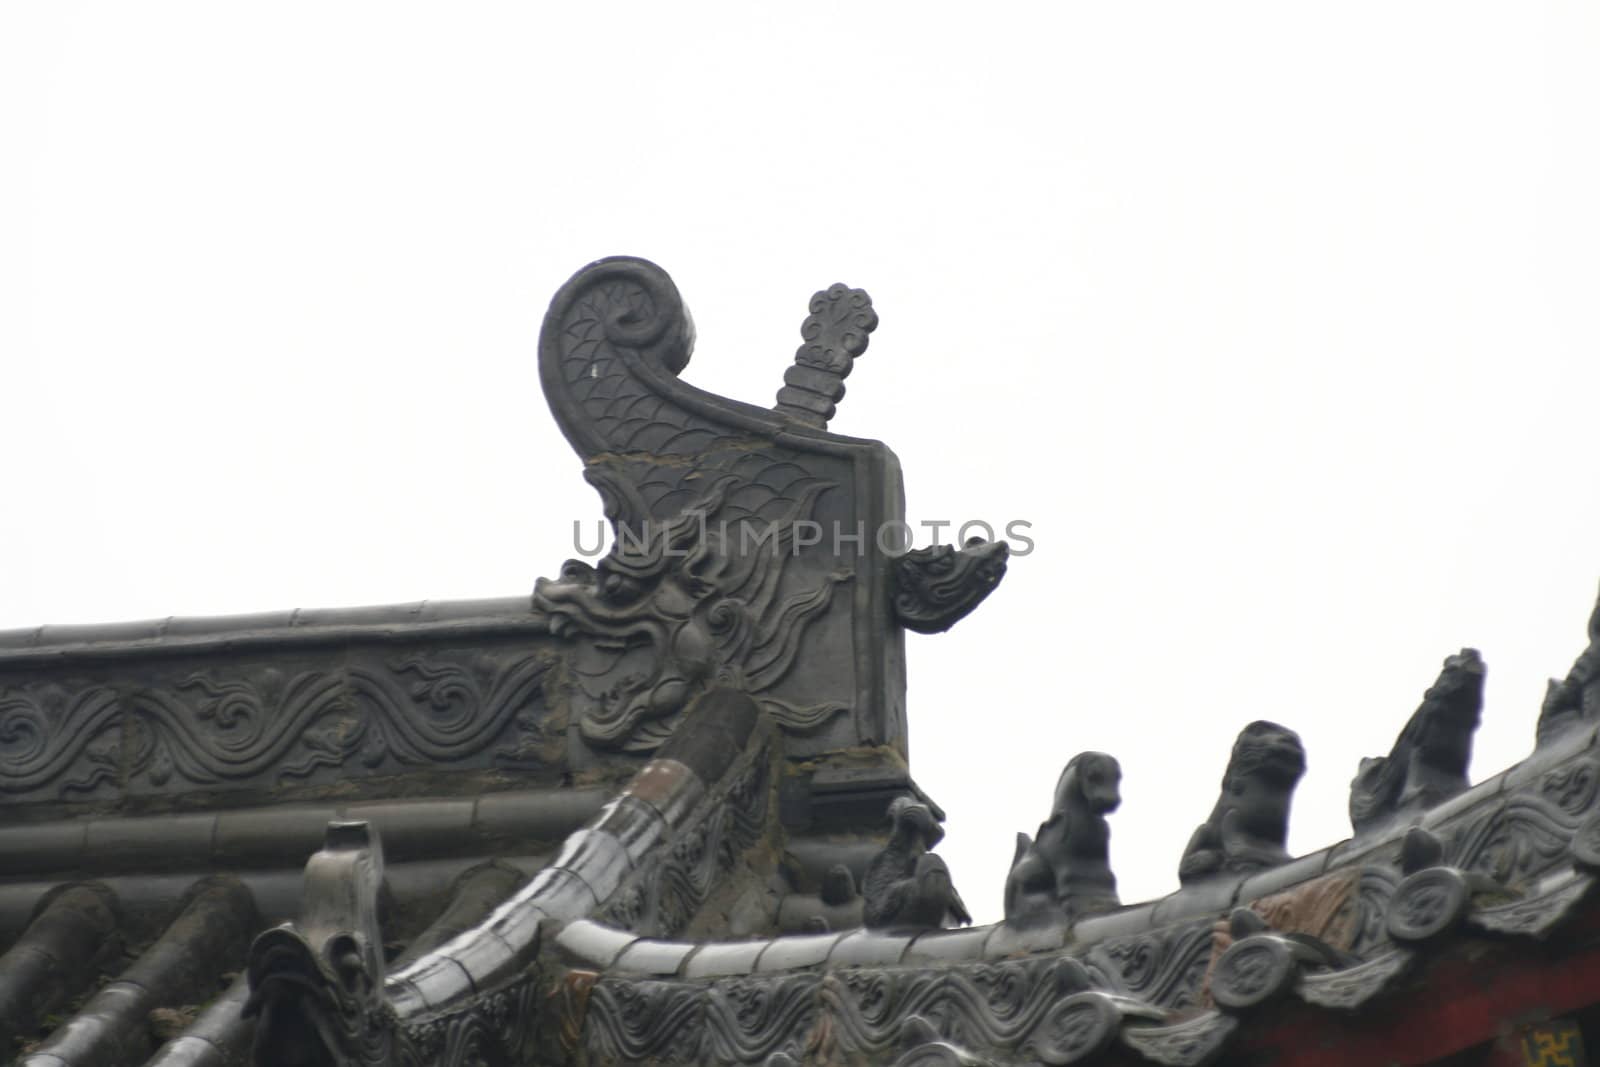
{"x": 611, "y": 365}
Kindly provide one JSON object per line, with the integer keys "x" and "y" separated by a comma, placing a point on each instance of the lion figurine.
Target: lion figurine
{"x": 1249, "y": 826}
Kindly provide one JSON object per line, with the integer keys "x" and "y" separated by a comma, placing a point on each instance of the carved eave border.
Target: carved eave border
{"x": 851, "y": 1004}
{"x": 1161, "y": 981}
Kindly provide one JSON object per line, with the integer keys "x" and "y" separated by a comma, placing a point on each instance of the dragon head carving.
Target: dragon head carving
{"x": 1428, "y": 763}
{"x": 678, "y": 605}
{"x": 317, "y": 984}
{"x": 317, "y": 1007}
{"x": 938, "y": 586}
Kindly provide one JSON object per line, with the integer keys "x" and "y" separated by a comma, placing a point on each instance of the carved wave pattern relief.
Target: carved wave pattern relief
{"x": 634, "y": 1021}
{"x": 265, "y": 727}
{"x": 996, "y": 1009}
{"x": 745, "y": 1022}
{"x": 1373, "y": 893}
{"x": 1166, "y": 967}
{"x": 1572, "y": 788}
{"x": 1521, "y": 839}
{"x": 70, "y": 746}
{"x": 496, "y": 1028}
{"x": 611, "y": 350}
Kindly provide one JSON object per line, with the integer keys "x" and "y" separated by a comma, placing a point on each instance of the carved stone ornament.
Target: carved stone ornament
{"x": 316, "y": 984}
{"x": 666, "y": 891}
{"x": 1166, "y": 966}
{"x": 1187, "y": 1043}
{"x": 1576, "y": 698}
{"x": 749, "y": 547}
{"x": 662, "y": 618}
{"x": 906, "y": 885}
{"x": 1066, "y": 867}
{"x": 1249, "y": 826}
{"x": 1078, "y": 1028}
{"x": 745, "y": 540}
{"x": 498, "y": 1028}
{"x": 924, "y": 1047}
{"x": 1428, "y": 904}
{"x": 938, "y": 586}
{"x": 1538, "y": 915}
{"x": 745, "y": 625}
{"x": 1434, "y": 897}
{"x": 185, "y": 725}
{"x": 1586, "y": 845}
{"x": 1428, "y": 763}
{"x": 1350, "y": 987}
{"x": 1252, "y": 972}
{"x": 1004, "y": 1011}
{"x": 834, "y": 334}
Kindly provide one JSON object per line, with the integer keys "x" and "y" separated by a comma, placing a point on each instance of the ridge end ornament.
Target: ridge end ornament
{"x": 746, "y": 542}
{"x": 725, "y": 520}
{"x": 938, "y": 586}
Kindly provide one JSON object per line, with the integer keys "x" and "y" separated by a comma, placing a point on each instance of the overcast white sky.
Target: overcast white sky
{"x": 1278, "y": 322}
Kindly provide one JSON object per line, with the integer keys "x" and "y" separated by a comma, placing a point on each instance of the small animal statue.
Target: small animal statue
{"x": 1250, "y": 824}
{"x": 906, "y": 885}
{"x": 1428, "y": 763}
{"x": 1067, "y": 865}
{"x": 1576, "y": 698}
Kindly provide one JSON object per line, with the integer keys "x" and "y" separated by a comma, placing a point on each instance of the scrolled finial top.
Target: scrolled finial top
{"x": 833, "y": 335}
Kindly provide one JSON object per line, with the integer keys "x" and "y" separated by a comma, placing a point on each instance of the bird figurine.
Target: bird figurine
{"x": 906, "y": 885}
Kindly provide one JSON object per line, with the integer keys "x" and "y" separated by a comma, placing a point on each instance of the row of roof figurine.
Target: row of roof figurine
{"x": 1065, "y": 867}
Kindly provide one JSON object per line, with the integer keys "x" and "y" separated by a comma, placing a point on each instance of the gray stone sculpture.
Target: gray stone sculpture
{"x": 834, "y": 334}
{"x": 938, "y": 586}
{"x": 1428, "y": 763}
{"x": 1250, "y": 824}
{"x": 316, "y": 984}
{"x": 1576, "y": 698}
{"x": 675, "y": 607}
{"x": 906, "y": 885}
{"x": 1066, "y": 867}
{"x": 746, "y": 541}
{"x": 691, "y": 909}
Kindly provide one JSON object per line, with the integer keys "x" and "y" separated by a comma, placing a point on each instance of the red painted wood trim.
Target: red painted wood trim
{"x": 1474, "y": 991}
